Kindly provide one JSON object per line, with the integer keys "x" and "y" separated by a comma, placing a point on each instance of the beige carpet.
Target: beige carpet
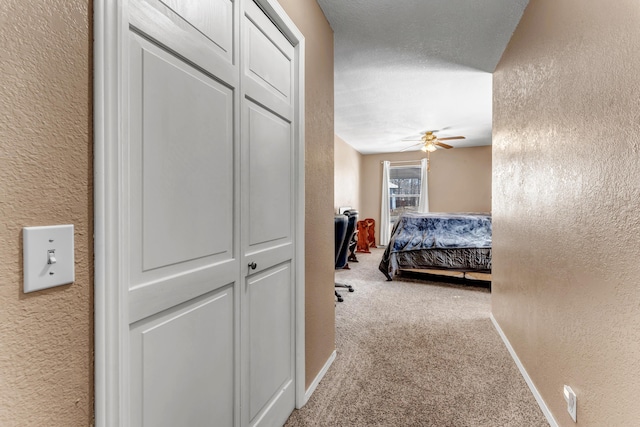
{"x": 417, "y": 353}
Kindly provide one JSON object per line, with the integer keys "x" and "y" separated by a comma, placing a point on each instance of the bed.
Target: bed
{"x": 451, "y": 244}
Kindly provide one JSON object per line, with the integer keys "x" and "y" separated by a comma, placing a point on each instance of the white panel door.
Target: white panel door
{"x": 196, "y": 217}
{"x": 182, "y": 214}
{"x": 268, "y": 201}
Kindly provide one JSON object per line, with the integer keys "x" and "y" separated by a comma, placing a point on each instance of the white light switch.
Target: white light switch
{"x": 48, "y": 256}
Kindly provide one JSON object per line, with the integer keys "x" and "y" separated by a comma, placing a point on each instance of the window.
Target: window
{"x": 404, "y": 190}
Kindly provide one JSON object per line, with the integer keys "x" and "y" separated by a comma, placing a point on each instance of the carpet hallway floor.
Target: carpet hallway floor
{"x": 417, "y": 352}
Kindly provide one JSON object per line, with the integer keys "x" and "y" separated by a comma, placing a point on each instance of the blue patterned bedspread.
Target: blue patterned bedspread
{"x": 458, "y": 241}
{"x": 437, "y": 230}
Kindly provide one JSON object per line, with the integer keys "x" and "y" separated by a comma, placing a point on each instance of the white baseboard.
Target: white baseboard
{"x": 525, "y": 375}
{"x": 319, "y": 377}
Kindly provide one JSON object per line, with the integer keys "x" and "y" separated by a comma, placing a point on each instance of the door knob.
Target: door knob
{"x": 253, "y": 266}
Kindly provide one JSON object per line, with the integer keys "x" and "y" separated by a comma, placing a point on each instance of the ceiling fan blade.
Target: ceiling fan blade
{"x": 451, "y": 137}
{"x": 411, "y": 146}
{"x": 443, "y": 145}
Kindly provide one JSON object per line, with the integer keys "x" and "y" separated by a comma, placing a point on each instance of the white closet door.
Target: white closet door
{"x": 180, "y": 210}
{"x": 199, "y": 216}
{"x": 268, "y": 198}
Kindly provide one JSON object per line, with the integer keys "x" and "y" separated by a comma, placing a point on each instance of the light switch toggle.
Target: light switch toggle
{"x": 48, "y": 256}
{"x": 51, "y": 256}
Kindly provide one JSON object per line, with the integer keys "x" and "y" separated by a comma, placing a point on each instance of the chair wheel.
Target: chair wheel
{"x": 351, "y": 290}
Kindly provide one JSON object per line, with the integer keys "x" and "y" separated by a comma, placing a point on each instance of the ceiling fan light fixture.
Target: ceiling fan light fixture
{"x": 430, "y": 143}
{"x": 429, "y": 147}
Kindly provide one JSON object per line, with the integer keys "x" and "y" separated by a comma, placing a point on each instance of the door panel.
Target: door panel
{"x": 164, "y": 293}
{"x": 268, "y": 64}
{"x": 206, "y": 188}
{"x": 207, "y": 42}
{"x": 182, "y": 214}
{"x": 270, "y": 185}
{"x": 183, "y": 365}
{"x": 270, "y": 304}
{"x": 187, "y": 164}
{"x": 182, "y": 170}
{"x": 213, "y": 18}
{"x": 267, "y": 207}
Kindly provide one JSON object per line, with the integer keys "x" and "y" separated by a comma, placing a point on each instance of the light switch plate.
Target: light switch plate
{"x": 572, "y": 402}
{"x": 48, "y": 256}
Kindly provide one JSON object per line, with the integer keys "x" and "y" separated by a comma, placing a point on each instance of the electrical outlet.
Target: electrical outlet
{"x": 572, "y": 402}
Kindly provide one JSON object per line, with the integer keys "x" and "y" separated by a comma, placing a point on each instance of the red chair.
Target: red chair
{"x": 372, "y": 232}
{"x": 366, "y": 235}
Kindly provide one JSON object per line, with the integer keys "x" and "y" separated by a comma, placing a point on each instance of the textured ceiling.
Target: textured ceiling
{"x": 406, "y": 66}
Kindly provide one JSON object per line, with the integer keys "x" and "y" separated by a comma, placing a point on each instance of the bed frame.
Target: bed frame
{"x": 456, "y": 274}
{"x": 455, "y": 245}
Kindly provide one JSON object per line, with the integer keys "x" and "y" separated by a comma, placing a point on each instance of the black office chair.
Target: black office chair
{"x": 345, "y": 229}
{"x": 340, "y": 233}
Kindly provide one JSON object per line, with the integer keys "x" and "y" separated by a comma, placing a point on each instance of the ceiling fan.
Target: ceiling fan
{"x": 430, "y": 142}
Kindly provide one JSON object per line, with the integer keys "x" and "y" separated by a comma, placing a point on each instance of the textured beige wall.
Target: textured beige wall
{"x": 348, "y": 165}
{"x": 320, "y": 310}
{"x": 459, "y": 180}
{"x": 566, "y": 191}
{"x": 46, "y": 337}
